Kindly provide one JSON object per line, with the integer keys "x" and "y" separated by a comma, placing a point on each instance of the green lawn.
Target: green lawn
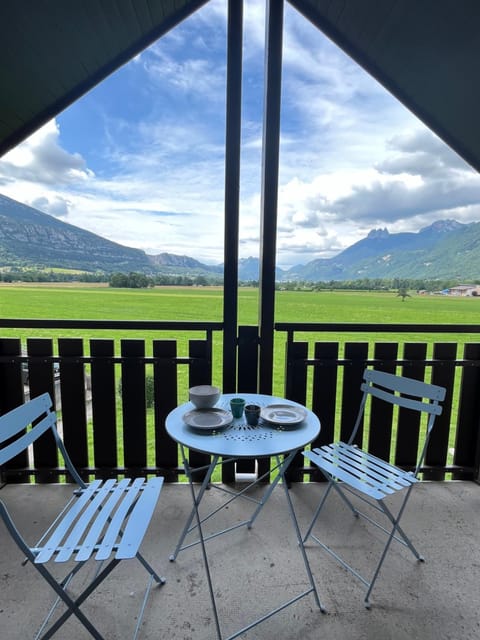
{"x": 89, "y": 302}
{"x": 206, "y": 304}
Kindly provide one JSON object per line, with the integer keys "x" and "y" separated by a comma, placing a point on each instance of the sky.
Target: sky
{"x": 139, "y": 159}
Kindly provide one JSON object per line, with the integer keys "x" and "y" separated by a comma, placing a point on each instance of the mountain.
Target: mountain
{"x": 249, "y": 270}
{"x": 32, "y": 239}
{"x": 444, "y": 249}
{"x": 175, "y": 264}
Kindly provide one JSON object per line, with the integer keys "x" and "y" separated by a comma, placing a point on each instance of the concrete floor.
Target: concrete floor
{"x": 257, "y": 570}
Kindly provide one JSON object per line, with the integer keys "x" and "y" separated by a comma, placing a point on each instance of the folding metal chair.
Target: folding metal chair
{"x": 107, "y": 520}
{"x": 365, "y": 476}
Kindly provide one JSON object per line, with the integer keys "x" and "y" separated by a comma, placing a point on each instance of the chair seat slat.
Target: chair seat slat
{"x": 110, "y": 540}
{"x": 364, "y": 477}
{"x": 95, "y": 532}
{"x": 50, "y": 546}
{"x": 378, "y": 462}
{"x": 377, "y": 468}
{"x": 83, "y": 521}
{"x": 139, "y": 519}
{"x": 345, "y": 476}
{"x": 364, "y": 465}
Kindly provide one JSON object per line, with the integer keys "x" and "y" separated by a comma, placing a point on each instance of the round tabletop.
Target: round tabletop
{"x": 239, "y": 439}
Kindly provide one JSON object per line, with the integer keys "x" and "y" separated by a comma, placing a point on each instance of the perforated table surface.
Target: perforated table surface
{"x": 240, "y": 440}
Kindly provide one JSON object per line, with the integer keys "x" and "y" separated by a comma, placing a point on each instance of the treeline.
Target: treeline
{"x": 33, "y": 275}
{"x": 373, "y": 284}
{"x": 135, "y": 280}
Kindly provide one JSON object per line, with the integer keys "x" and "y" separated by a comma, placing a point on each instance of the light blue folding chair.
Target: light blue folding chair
{"x": 350, "y": 470}
{"x": 103, "y": 520}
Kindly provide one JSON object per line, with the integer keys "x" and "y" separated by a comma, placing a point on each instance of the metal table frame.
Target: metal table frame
{"x": 228, "y": 445}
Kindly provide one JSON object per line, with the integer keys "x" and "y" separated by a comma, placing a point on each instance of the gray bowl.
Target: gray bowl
{"x": 204, "y": 396}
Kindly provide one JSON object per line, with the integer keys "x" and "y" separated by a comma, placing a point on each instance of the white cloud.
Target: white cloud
{"x": 152, "y": 176}
{"x": 42, "y": 159}
{"x": 55, "y": 206}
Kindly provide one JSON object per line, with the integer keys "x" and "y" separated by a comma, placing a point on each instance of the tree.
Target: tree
{"x": 403, "y": 293}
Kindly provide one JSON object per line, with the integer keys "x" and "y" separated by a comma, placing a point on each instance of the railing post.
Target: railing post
{"x": 443, "y": 374}
{"x": 41, "y": 380}
{"x": 296, "y": 389}
{"x": 232, "y": 189}
{"x": 270, "y": 160}
{"x": 248, "y": 359}
{"x": 74, "y": 402}
{"x": 356, "y": 357}
{"x": 166, "y": 399}
{"x": 11, "y": 395}
{"x": 104, "y": 413}
{"x": 467, "y": 440}
{"x": 134, "y": 406}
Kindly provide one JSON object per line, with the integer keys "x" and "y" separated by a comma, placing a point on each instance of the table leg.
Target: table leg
{"x": 272, "y": 485}
{"x": 298, "y": 532}
{"x": 196, "y": 500}
{"x": 282, "y": 467}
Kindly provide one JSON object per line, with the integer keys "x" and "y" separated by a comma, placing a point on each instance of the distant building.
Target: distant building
{"x": 465, "y": 290}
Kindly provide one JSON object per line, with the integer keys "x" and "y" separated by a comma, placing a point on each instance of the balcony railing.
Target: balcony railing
{"x": 102, "y": 388}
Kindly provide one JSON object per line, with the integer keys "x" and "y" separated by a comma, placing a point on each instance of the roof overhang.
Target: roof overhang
{"x": 52, "y": 52}
{"x": 426, "y": 53}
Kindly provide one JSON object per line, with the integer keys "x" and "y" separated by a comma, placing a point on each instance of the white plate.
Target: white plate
{"x": 283, "y": 414}
{"x": 208, "y": 418}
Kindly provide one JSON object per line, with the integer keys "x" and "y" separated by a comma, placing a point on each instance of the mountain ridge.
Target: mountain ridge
{"x": 446, "y": 248}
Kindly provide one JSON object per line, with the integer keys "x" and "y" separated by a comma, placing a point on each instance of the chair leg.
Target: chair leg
{"x": 159, "y": 579}
{"x": 332, "y": 484}
{"x": 395, "y": 529}
{"x": 317, "y": 512}
{"x": 73, "y": 605}
{"x": 342, "y": 495}
{"x": 391, "y": 534}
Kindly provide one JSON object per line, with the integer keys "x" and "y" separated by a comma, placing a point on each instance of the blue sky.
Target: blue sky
{"x": 140, "y": 158}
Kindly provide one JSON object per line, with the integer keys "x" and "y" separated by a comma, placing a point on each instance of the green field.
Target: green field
{"x": 89, "y": 302}
{"x": 206, "y": 304}
{"x": 95, "y": 302}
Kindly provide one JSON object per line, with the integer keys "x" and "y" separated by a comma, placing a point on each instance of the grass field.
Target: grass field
{"x": 73, "y": 301}
{"x": 93, "y": 302}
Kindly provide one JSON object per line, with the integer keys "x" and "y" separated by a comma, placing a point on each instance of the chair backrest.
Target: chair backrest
{"x": 385, "y": 386}
{"x": 403, "y": 392}
{"x": 15, "y": 436}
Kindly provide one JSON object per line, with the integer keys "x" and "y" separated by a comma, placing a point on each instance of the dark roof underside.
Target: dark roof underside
{"x": 425, "y": 52}
{"x": 53, "y": 51}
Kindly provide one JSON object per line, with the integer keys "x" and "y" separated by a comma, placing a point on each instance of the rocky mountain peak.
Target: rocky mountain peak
{"x": 378, "y": 233}
{"x": 443, "y": 226}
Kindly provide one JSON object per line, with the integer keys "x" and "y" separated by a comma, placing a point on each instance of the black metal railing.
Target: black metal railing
{"x": 336, "y": 368}
{"x": 113, "y": 394}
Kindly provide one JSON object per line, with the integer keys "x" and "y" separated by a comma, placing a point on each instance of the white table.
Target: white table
{"x": 237, "y": 441}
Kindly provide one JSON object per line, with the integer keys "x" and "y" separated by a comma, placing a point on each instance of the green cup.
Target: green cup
{"x": 237, "y": 405}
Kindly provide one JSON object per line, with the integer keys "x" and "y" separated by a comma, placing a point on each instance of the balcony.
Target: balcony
{"x": 110, "y": 431}
{"x": 430, "y": 600}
